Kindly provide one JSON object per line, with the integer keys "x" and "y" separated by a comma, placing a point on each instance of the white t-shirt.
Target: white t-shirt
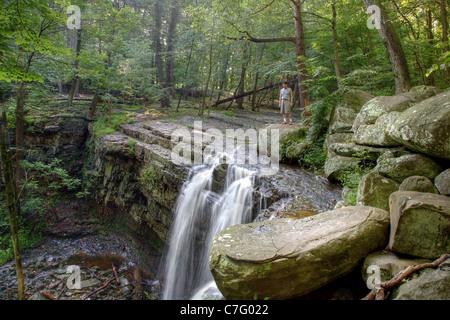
{"x": 286, "y": 94}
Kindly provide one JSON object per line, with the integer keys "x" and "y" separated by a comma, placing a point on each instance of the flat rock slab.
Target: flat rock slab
{"x": 285, "y": 258}
{"x": 420, "y": 224}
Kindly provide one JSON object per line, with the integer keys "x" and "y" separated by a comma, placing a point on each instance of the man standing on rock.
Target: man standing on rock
{"x": 286, "y": 102}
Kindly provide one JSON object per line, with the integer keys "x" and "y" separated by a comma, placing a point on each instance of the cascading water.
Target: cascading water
{"x": 199, "y": 215}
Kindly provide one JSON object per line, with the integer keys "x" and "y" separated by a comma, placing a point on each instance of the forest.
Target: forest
{"x": 105, "y": 61}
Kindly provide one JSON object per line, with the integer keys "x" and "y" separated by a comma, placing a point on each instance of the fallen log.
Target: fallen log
{"x": 245, "y": 94}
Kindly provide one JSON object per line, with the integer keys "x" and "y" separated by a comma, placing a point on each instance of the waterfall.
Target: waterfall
{"x": 199, "y": 215}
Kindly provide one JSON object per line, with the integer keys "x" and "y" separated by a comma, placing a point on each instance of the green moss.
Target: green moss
{"x": 132, "y": 148}
{"x": 103, "y": 127}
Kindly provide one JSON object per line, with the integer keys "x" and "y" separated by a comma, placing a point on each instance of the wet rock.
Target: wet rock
{"x": 374, "y": 190}
{"x": 419, "y": 184}
{"x": 399, "y": 169}
{"x": 424, "y": 128}
{"x": 420, "y": 224}
{"x": 442, "y": 182}
{"x": 285, "y": 258}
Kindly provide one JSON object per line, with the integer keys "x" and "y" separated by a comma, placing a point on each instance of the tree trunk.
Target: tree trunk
{"x": 394, "y": 48}
{"x": 11, "y": 203}
{"x": 444, "y": 21}
{"x": 337, "y": 64}
{"x": 165, "y": 102}
{"x": 182, "y": 93}
{"x": 203, "y": 105}
{"x": 170, "y": 48}
{"x": 255, "y": 93}
{"x": 20, "y": 127}
{"x": 75, "y": 81}
{"x": 300, "y": 51}
{"x": 430, "y": 37}
{"x": 241, "y": 87}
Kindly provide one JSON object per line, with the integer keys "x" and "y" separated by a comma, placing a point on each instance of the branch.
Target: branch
{"x": 380, "y": 294}
{"x": 263, "y": 8}
{"x": 248, "y": 37}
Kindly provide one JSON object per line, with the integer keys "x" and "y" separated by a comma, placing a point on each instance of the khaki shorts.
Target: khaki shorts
{"x": 285, "y": 107}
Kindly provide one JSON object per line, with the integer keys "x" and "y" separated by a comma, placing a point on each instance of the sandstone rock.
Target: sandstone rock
{"x": 430, "y": 285}
{"x": 378, "y": 106}
{"x": 374, "y": 190}
{"x": 420, "y": 224}
{"x": 425, "y": 127}
{"x": 286, "y": 258}
{"x": 419, "y": 184}
{"x": 442, "y": 182}
{"x": 390, "y": 264}
{"x": 336, "y": 166}
{"x": 400, "y": 168}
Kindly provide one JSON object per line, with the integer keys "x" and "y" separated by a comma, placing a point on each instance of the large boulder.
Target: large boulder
{"x": 376, "y": 134}
{"x": 420, "y": 224}
{"x": 419, "y": 184}
{"x": 355, "y": 99}
{"x": 284, "y": 258}
{"x": 343, "y": 116}
{"x": 374, "y": 190}
{"x": 442, "y": 182}
{"x": 337, "y": 166}
{"x": 342, "y": 120}
{"x": 390, "y": 264}
{"x": 336, "y": 138}
{"x": 400, "y": 168}
{"x": 425, "y": 127}
{"x": 429, "y": 285}
{"x": 426, "y": 91}
{"x": 379, "y": 106}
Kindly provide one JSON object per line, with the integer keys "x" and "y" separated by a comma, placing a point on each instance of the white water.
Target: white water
{"x": 199, "y": 215}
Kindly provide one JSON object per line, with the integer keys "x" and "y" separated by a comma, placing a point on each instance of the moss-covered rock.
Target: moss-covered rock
{"x": 337, "y": 166}
{"x": 425, "y": 127}
{"x": 400, "y": 168}
{"x": 442, "y": 182}
{"x": 419, "y": 184}
{"x": 374, "y": 190}
{"x": 285, "y": 258}
{"x": 420, "y": 224}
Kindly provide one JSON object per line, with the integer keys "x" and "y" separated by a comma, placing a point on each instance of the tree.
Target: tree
{"x": 394, "y": 47}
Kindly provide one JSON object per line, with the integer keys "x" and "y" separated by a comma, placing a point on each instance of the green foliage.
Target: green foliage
{"x": 132, "y": 148}
{"x": 229, "y": 113}
{"x": 103, "y": 126}
{"x": 151, "y": 176}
